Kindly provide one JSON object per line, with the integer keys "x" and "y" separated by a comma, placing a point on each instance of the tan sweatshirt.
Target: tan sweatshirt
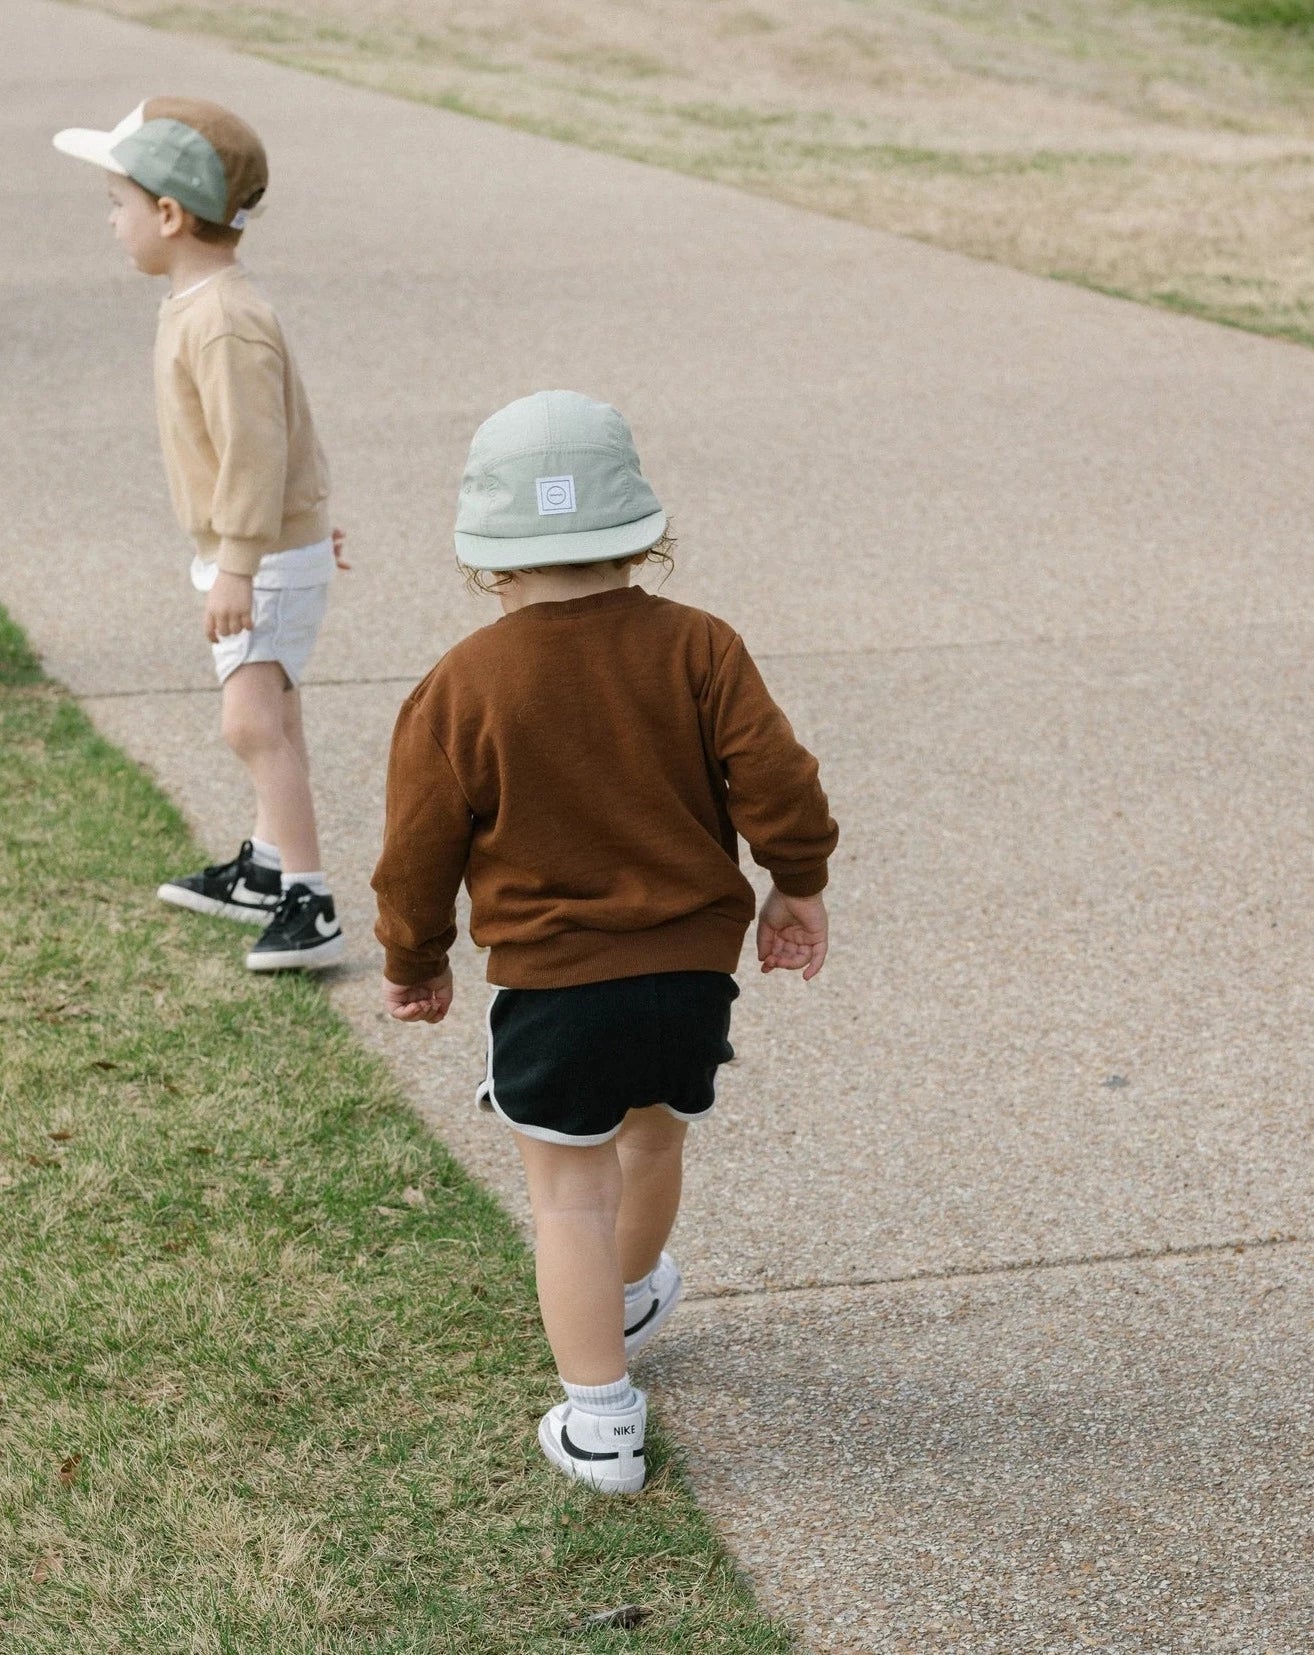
{"x": 584, "y": 767}
{"x": 246, "y": 473}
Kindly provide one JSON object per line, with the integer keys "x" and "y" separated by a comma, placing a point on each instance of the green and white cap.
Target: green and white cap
{"x": 554, "y": 478}
{"x": 199, "y": 154}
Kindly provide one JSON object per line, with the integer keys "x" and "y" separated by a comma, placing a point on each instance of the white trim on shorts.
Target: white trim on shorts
{"x": 486, "y": 1099}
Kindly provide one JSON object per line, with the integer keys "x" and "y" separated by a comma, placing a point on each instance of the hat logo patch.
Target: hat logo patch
{"x": 556, "y": 495}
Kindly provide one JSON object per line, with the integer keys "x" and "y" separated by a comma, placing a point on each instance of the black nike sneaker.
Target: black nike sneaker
{"x": 240, "y": 890}
{"x": 303, "y": 935}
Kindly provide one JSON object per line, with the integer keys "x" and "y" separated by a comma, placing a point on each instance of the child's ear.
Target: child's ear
{"x": 174, "y": 218}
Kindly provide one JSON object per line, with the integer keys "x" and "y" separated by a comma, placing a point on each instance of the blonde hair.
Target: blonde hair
{"x": 491, "y": 581}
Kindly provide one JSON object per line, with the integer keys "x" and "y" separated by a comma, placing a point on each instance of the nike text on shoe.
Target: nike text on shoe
{"x": 605, "y": 1450}
{"x": 303, "y": 935}
{"x": 239, "y": 890}
{"x": 645, "y": 1318}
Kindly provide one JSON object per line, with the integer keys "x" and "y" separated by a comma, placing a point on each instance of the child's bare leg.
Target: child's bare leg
{"x": 253, "y": 722}
{"x": 650, "y": 1148}
{"x": 575, "y": 1194}
{"x": 295, "y": 732}
{"x": 293, "y": 727}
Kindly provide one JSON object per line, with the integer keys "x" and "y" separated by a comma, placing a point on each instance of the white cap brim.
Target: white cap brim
{"x": 85, "y": 145}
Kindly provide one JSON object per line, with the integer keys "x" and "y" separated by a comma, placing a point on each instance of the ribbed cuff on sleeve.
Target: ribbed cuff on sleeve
{"x": 405, "y": 971}
{"x": 239, "y": 557}
{"x": 801, "y": 881}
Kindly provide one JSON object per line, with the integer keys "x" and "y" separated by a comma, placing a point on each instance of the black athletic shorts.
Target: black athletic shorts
{"x": 567, "y": 1064}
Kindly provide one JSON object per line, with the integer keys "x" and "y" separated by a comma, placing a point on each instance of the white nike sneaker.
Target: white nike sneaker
{"x": 646, "y": 1318}
{"x": 605, "y": 1450}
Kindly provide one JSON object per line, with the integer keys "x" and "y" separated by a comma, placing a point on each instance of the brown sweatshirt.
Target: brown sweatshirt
{"x": 584, "y": 767}
{"x": 246, "y": 473}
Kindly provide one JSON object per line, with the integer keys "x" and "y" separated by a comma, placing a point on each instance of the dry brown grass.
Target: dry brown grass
{"x": 1140, "y": 147}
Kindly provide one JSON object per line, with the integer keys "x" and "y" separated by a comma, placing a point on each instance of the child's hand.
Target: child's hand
{"x": 228, "y": 606}
{"x": 419, "y": 1002}
{"x": 791, "y": 934}
{"x": 339, "y": 541}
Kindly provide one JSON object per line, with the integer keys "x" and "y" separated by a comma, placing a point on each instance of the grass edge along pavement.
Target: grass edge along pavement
{"x": 1058, "y": 213}
{"x": 270, "y": 1363}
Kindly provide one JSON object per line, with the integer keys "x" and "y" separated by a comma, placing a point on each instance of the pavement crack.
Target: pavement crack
{"x": 1013, "y": 1267}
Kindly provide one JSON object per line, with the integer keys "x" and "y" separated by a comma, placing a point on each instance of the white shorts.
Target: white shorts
{"x": 289, "y": 598}
{"x": 287, "y": 622}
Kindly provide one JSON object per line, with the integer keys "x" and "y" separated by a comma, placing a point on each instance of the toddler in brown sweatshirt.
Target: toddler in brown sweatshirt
{"x": 249, "y": 484}
{"x": 586, "y": 765}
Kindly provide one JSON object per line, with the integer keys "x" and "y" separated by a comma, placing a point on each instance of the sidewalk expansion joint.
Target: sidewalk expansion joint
{"x": 1039, "y": 640}
{"x": 966, "y": 1272}
{"x": 141, "y": 694}
{"x": 944, "y": 647}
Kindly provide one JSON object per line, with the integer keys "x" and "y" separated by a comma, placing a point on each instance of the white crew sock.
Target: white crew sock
{"x": 265, "y": 855}
{"x": 616, "y": 1398}
{"x": 314, "y": 881}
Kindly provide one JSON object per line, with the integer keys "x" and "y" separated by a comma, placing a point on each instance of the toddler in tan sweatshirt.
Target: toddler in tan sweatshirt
{"x": 249, "y": 484}
{"x": 586, "y": 766}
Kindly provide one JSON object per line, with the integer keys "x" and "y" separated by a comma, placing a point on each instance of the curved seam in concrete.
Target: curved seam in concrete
{"x": 1040, "y": 638}
{"x": 1144, "y": 1255}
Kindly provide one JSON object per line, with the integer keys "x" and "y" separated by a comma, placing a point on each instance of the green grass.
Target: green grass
{"x": 1246, "y": 319}
{"x": 1289, "y": 15}
{"x": 18, "y": 665}
{"x": 269, "y": 1362}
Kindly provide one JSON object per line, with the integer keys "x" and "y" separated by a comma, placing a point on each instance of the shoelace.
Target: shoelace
{"x": 289, "y": 903}
{"x": 216, "y": 869}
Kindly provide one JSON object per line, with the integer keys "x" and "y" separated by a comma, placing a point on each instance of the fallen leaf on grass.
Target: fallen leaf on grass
{"x": 69, "y": 1470}
{"x": 102, "y": 1063}
{"x": 43, "y": 1160}
{"x": 200, "y": 1149}
{"x": 45, "y": 1567}
{"x": 61, "y": 1136}
{"x": 627, "y": 1616}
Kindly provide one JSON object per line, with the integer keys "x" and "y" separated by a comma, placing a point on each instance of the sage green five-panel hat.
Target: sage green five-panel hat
{"x": 200, "y": 155}
{"x": 554, "y": 478}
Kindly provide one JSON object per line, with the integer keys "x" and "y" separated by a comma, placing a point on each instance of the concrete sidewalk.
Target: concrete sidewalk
{"x": 1000, "y": 1332}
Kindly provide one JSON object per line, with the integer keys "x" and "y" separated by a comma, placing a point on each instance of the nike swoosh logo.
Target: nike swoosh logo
{"x": 243, "y": 894}
{"x": 330, "y": 928}
{"x": 644, "y": 1320}
{"x": 587, "y": 1454}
